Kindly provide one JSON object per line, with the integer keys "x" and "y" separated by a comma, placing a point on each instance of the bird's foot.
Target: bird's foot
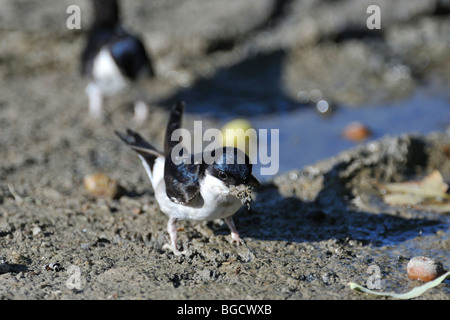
{"x": 95, "y": 102}
{"x": 174, "y": 249}
{"x": 235, "y": 238}
{"x": 140, "y": 113}
{"x": 98, "y": 116}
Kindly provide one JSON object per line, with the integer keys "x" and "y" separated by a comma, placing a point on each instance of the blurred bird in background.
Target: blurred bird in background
{"x": 114, "y": 59}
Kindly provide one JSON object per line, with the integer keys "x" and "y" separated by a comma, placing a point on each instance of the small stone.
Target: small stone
{"x": 356, "y": 131}
{"x": 36, "y": 230}
{"x": 136, "y": 210}
{"x": 100, "y": 185}
{"x": 85, "y": 246}
{"x": 424, "y": 269}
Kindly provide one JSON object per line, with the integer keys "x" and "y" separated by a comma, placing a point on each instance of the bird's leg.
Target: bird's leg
{"x": 139, "y": 93}
{"x": 95, "y": 102}
{"x": 140, "y": 112}
{"x": 172, "y": 230}
{"x": 234, "y": 233}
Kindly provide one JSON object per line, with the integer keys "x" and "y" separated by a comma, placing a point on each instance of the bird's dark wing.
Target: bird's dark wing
{"x": 138, "y": 144}
{"x": 182, "y": 181}
{"x": 176, "y": 116}
{"x": 130, "y": 55}
{"x": 181, "y": 177}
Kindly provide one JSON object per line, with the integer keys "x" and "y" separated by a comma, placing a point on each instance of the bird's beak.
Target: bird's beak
{"x": 253, "y": 181}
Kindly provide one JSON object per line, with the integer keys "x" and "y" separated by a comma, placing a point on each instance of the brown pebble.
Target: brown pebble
{"x": 424, "y": 269}
{"x": 356, "y": 131}
{"x": 136, "y": 210}
{"x": 100, "y": 185}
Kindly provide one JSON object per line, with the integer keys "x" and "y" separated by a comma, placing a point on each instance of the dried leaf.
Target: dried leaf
{"x": 431, "y": 186}
{"x": 397, "y": 199}
{"x": 428, "y": 193}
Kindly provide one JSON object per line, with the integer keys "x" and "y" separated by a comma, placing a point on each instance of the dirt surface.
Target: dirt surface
{"x": 310, "y": 231}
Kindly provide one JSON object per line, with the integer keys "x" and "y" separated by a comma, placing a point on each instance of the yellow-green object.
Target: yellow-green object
{"x": 417, "y": 291}
{"x": 239, "y": 133}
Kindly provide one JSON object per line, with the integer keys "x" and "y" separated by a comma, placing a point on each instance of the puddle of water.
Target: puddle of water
{"x": 254, "y": 92}
{"x": 307, "y": 137}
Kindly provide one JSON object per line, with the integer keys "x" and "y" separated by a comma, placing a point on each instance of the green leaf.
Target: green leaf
{"x": 417, "y": 291}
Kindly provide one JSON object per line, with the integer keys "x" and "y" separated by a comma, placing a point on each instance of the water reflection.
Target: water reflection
{"x": 306, "y": 137}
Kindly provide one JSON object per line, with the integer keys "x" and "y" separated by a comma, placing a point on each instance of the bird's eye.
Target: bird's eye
{"x": 223, "y": 175}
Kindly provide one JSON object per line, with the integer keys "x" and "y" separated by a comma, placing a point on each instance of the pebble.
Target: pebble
{"x": 36, "y": 230}
{"x": 100, "y": 185}
{"x": 85, "y": 246}
{"x": 424, "y": 269}
{"x": 136, "y": 210}
{"x": 356, "y": 131}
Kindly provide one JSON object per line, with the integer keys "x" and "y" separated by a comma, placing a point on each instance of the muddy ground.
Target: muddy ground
{"x": 310, "y": 231}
